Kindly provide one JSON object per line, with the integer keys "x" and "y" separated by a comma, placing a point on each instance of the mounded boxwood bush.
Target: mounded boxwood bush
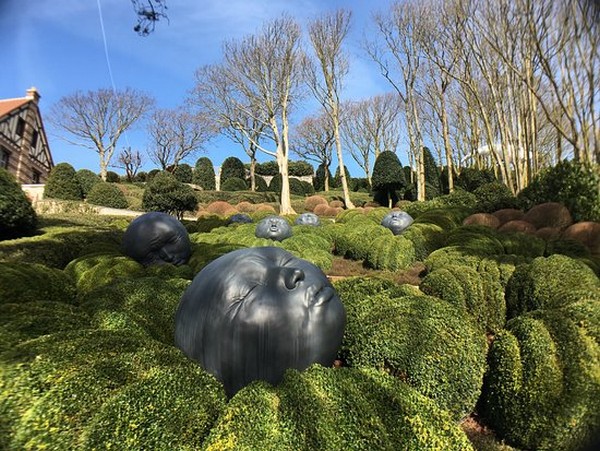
{"x": 107, "y": 195}
{"x": 63, "y": 183}
{"x": 234, "y": 184}
{"x": 388, "y": 179}
{"x": 87, "y": 180}
{"x": 17, "y": 217}
{"x": 183, "y": 173}
{"x": 300, "y": 168}
{"x": 204, "y": 174}
{"x": 356, "y": 239}
{"x": 424, "y": 341}
{"x": 494, "y": 196}
{"x": 105, "y": 270}
{"x": 167, "y": 194}
{"x": 112, "y": 177}
{"x": 232, "y": 167}
{"x": 391, "y": 252}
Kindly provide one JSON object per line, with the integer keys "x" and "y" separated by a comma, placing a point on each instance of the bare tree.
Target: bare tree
{"x": 264, "y": 72}
{"x": 313, "y": 140}
{"x": 149, "y": 12}
{"x": 371, "y": 126}
{"x": 97, "y": 119}
{"x": 327, "y": 35}
{"x": 176, "y": 134}
{"x": 130, "y": 160}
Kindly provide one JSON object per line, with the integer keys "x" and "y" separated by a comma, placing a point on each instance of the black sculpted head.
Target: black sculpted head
{"x": 240, "y": 218}
{"x": 156, "y": 238}
{"x": 397, "y": 221}
{"x": 253, "y": 313}
{"x": 310, "y": 219}
{"x": 274, "y": 228}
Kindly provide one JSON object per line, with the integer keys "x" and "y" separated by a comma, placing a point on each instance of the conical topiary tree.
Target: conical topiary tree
{"x": 232, "y": 167}
{"x": 63, "y": 183}
{"x": 204, "y": 174}
{"x": 388, "y": 179}
{"x": 17, "y": 217}
{"x": 337, "y": 180}
{"x": 322, "y": 179}
{"x": 432, "y": 175}
{"x": 87, "y": 180}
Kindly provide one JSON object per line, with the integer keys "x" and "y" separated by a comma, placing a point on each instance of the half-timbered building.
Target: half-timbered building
{"x": 24, "y": 149}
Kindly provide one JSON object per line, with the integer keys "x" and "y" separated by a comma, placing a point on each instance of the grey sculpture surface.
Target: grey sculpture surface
{"x": 274, "y": 228}
{"x": 240, "y": 218}
{"x": 253, "y": 313}
{"x": 157, "y": 238}
{"x": 397, "y": 221}
{"x": 310, "y": 219}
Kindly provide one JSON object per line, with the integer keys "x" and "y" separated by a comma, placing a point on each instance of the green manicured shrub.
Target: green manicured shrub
{"x": 388, "y": 179}
{"x": 261, "y": 185}
{"x": 234, "y": 184}
{"x": 522, "y": 244}
{"x": 204, "y": 174}
{"x": 575, "y": 185}
{"x": 31, "y": 282}
{"x": 232, "y": 167}
{"x": 141, "y": 177}
{"x": 494, "y": 196}
{"x": 447, "y": 218}
{"x": 404, "y": 335}
{"x": 87, "y": 180}
{"x": 425, "y": 238}
{"x": 167, "y": 194}
{"x": 183, "y": 173}
{"x": 470, "y": 179}
{"x": 336, "y": 182}
{"x": 480, "y": 239}
{"x": 63, "y": 183}
{"x": 300, "y": 168}
{"x": 107, "y": 195}
{"x": 268, "y": 168}
{"x": 433, "y": 182}
{"x": 105, "y": 270}
{"x": 112, "y": 177}
{"x": 391, "y": 253}
{"x": 319, "y": 178}
{"x": 17, "y": 216}
{"x": 357, "y": 238}
{"x": 545, "y": 283}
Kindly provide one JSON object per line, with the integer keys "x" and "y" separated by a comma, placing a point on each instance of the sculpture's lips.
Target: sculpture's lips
{"x": 323, "y": 296}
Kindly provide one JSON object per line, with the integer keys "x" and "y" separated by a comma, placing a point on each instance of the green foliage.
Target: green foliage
{"x": 112, "y": 177}
{"x": 183, "y": 173}
{"x": 204, "y": 174}
{"x": 425, "y": 238}
{"x": 336, "y": 182}
{"x": 392, "y": 253}
{"x": 261, "y": 185}
{"x": 235, "y": 197}
{"x": 232, "y": 167}
{"x": 30, "y": 282}
{"x": 422, "y": 340}
{"x": 494, "y": 196}
{"x": 573, "y": 184}
{"x": 446, "y": 218}
{"x": 432, "y": 175}
{"x": 141, "y": 177}
{"x": 297, "y": 187}
{"x": 355, "y": 239}
{"x": 388, "y": 177}
{"x": 87, "y": 180}
{"x": 545, "y": 283}
{"x": 107, "y": 195}
{"x": 17, "y": 217}
{"x": 470, "y": 179}
{"x": 234, "y": 184}
{"x": 98, "y": 270}
{"x": 267, "y": 168}
{"x": 522, "y": 244}
{"x": 300, "y": 168}
{"x": 63, "y": 183}
{"x": 152, "y": 174}
{"x": 167, "y": 194}
{"x": 319, "y": 178}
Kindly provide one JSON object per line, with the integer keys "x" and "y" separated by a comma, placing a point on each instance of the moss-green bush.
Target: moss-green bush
{"x": 546, "y": 282}
{"x": 391, "y": 253}
{"x": 494, "y": 196}
{"x": 234, "y": 184}
{"x": 522, "y": 244}
{"x": 425, "y": 238}
{"x": 356, "y": 239}
{"x": 481, "y": 240}
{"x": 232, "y": 167}
{"x": 87, "y": 180}
{"x": 447, "y": 218}
{"x": 106, "y": 270}
{"x": 17, "y": 217}
{"x": 63, "y": 183}
{"x": 167, "y": 194}
{"x": 30, "y": 282}
{"x": 204, "y": 174}
{"x": 183, "y": 173}
{"x": 424, "y": 341}
{"x": 107, "y": 195}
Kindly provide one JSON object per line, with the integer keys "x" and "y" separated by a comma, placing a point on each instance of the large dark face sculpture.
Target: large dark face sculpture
{"x": 310, "y": 219}
{"x": 157, "y": 238}
{"x": 253, "y": 313}
{"x": 240, "y": 218}
{"x": 397, "y": 221}
{"x": 274, "y": 228}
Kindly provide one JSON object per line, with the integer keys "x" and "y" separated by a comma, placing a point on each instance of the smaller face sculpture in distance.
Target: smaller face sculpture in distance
{"x": 157, "y": 238}
{"x": 309, "y": 219}
{"x": 253, "y": 313}
{"x": 397, "y": 221}
{"x": 274, "y": 228}
{"x": 239, "y": 218}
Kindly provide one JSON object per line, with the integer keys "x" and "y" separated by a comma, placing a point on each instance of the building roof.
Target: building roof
{"x": 8, "y": 105}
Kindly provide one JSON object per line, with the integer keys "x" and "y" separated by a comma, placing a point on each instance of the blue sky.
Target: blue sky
{"x": 58, "y": 47}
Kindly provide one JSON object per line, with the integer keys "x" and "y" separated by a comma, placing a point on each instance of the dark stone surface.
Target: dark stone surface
{"x": 156, "y": 238}
{"x": 397, "y": 221}
{"x": 274, "y": 228}
{"x": 240, "y": 218}
{"x": 310, "y": 219}
{"x": 253, "y": 313}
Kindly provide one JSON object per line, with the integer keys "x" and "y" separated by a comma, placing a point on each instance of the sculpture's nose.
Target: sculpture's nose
{"x": 292, "y": 276}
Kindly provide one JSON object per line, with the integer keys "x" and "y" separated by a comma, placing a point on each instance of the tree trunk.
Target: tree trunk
{"x": 253, "y": 173}
{"x": 447, "y": 148}
{"x": 103, "y": 165}
{"x": 338, "y": 147}
{"x": 326, "y": 178}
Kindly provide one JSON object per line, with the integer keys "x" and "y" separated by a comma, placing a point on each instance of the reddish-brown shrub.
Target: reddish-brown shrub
{"x": 245, "y": 207}
{"x": 484, "y": 219}
{"x": 221, "y": 208}
{"x": 332, "y": 211}
{"x": 587, "y": 233}
{"x": 264, "y": 207}
{"x": 548, "y": 233}
{"x": 518, "y": 226}
{"x": 549, "y": 214}
{"x": 312, "y": 201}
{"x": 320, "y": 209}
{"x": 336, "y": 204}
{"x": 508, "y": 214}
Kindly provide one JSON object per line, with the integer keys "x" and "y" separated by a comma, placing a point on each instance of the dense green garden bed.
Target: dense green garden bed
{"x": 505, "y": 327}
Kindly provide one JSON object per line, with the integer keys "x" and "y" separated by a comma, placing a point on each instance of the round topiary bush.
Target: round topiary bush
{"x": 112, "y": 177}
{"x": 63, "y": 183}
{"x": 183, "y": 173}
{"x": 167, "y": 194}
{"x": 221, "y": 208}
{"x": 17, "y": 216}
{"x": 300, "y": 168}
{"x": 549, "y": 214}
{"x": 232, "y": 167}
{"x": 204, "y": 174}
{"x": 234, "y": 184}
{"x": 107, "y": 195}
{"x": 87, "y": 180}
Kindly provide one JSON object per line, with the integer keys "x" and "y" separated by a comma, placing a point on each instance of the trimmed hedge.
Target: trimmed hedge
{"x": 17, "y": 216}
{"x": 31, "y": 282}
{"x": 392, "y": 253}
{"x": 204, "y": 174}
{"x": 107, "y": 195}
{"x": 87, "y": 180}
{"x": 63, "y": 183}
{"x": 234, "y": 184}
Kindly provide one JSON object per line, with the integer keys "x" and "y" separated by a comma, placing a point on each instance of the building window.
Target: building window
{"x": 35, "y": 176}
{"x": 34, "y": 139}
{"x": 20, "y": 127}
{"x": 4, "y": 157}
